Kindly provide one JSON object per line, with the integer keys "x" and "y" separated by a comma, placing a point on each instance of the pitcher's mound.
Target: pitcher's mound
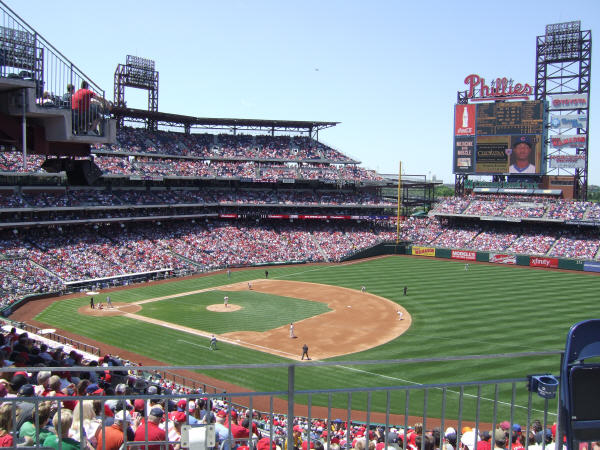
{"x": 118, "y": 309}
{"x": 218, "y": 307}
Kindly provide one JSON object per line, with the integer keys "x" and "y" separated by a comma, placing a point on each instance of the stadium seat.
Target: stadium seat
{"x": 580, "y": 383}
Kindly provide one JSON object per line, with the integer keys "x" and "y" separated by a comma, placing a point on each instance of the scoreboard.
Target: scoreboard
{"x": 486, "y": 133}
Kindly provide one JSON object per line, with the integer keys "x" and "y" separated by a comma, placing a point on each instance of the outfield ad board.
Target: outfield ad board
{"x": 502, "y": 258}
{"x": 542, "y": 261}
{"x": 590, "y": 266}
{"x": 423, "y": 251}
{"x": 465, "y": 255}
{"x": 487, "y": 138}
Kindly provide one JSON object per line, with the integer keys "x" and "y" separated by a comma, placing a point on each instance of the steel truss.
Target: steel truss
{"x": 563, "y": 66}
{"x": 138, "y": 73}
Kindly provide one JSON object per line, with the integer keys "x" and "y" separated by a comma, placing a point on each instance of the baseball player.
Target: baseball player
{"x": 400, "y": 314}
{"x": 292, "y": 335}
{"x": 363, "y": 289}
{"x": 108, "y": 302}
{"x": 405, "y": 289}
{"x": 249, "y": 286}
{"x": 226, "y": 301}
{"x": 213, "y": 343}
{"x": 466, "y": 266}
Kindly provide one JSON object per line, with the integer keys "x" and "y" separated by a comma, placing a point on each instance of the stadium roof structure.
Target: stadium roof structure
{"x": 178, "y": 120}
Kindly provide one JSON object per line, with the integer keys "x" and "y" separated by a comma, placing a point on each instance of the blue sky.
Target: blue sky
{"x": 387, "y": 70}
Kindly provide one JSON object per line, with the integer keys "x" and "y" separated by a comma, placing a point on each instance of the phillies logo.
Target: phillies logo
{"x": 498, "y": 88}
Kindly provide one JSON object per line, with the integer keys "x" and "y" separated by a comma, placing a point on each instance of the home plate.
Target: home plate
{"x": 348, "y": 306}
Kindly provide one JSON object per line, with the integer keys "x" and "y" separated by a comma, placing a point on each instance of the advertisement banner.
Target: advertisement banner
{"x": 464, "y": 254}
{"x": 542, "y": 261}
{"x": 464, "y": 120}
{"x": 590, "y": 266}
{"x": 464, "y": 150}
{"x": 568, "y": 141}
{"x": 566, "y": 161}
{"x": 500, "y": 258}
{"x": 423, "y": 251}
{"x": 569, "y": 101}
{"x": 568, "y": 121}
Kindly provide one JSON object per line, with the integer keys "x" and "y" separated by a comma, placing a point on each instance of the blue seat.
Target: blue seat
{"x": 580, "y": 384}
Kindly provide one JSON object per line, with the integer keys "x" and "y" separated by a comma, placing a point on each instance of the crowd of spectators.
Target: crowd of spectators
{"x": 225, "y": 146}
{"x": 567, "y": 210}
{"x": 117, "y": 197}
{"x": 576, "y": 245}
{"x": 517, "y": 239}
{"x": 39, "y": 260}
{"x": 73, "y": 410}
{"x": 523, "y": 207}
{"x": 161, "y": 167}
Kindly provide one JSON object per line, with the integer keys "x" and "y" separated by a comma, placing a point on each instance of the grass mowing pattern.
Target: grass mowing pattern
{"x": 487, "y": 310}
{"x": 260, "y": 312}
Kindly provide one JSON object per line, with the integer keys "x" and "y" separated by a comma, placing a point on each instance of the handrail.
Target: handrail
{"x": 24, "y": 24}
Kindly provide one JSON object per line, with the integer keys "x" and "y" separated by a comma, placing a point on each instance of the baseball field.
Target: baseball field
{"x": 448, "y": 311}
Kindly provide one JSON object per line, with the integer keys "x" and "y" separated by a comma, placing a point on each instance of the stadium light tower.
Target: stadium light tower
{"x": 563, "y": 78}
{"x": 138, "y": 73}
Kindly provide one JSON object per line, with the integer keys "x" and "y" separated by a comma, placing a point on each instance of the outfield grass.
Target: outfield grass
{"x": 489, "y": 309}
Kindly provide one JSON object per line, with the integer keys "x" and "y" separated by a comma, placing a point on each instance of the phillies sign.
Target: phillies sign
{"x": 500, "y": 88}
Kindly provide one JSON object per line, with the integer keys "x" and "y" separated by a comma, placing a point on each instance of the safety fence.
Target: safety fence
{"x": 189, "y": 418}
{"x": 26, "y": 55}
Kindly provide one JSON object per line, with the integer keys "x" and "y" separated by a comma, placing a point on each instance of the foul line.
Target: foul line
{"x": 448, "y": 390}
{"x": 204, "y": 334}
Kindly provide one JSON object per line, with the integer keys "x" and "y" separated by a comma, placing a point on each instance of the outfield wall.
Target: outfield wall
{"x": 504, "y": 258}
{"x": 405, "y": 248}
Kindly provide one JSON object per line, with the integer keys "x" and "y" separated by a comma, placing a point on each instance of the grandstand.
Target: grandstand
{"x": 152, "y": 196}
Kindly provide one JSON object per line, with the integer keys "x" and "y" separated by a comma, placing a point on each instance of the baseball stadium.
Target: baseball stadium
{"x": 174, "y": 273}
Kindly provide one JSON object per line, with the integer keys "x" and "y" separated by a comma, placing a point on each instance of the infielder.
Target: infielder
{"x": 292, "y": 335}
{"x": 213, "y": 343}
{"x": 363, "y": 289}
{"x": 226, "y": 301}
{"x": 400, "y": 314}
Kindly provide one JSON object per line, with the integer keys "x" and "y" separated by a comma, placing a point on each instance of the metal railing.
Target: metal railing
{"x": 51, "y": 334}
{"x": 27, "y": 55}
{"x": 481, "y": 405}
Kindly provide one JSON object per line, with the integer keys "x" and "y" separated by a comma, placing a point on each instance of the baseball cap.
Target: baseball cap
{"x": 156, "y": 412}
{"x": 263, "y": 444}
{"x": 138, "y": 404}
{"x": 91, "y": 388}
{"x": 221, "y": 413}
{"x": 181, "y": 404}
{"x": 516, "y": 428}
{"x": 468, "y": 439}
{"x": 523, "y": 140}
{"x": 122, "y": 416}
{"x": 27, "y": 390}
{"x": 298, "y": 428}
{"x": 499, "y": 434}
{"x": 179, "y": 416}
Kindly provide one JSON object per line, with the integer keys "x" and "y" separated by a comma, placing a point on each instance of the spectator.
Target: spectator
{"x": 86, "y": 112}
